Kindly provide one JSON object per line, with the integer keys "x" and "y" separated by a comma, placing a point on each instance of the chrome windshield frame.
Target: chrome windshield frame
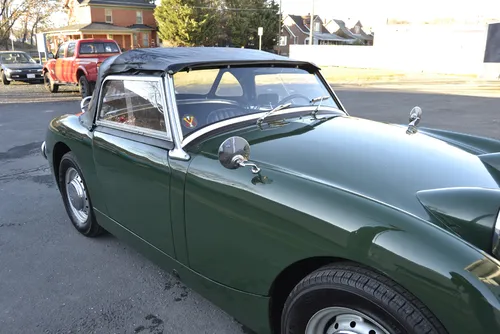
{"x": 178, "y": 152}
{"x": 180, "y": 142}
{"x": 250, "y": 117}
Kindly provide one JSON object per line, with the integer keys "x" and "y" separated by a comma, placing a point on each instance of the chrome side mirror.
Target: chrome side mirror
{"x": 415, "y": 117}
{"x": 234, "y": 152}
{"x": 84, "y": 104}
{"x": 50, "y": 55}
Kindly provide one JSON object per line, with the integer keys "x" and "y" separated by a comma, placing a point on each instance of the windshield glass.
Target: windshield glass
{"x": 211, "y": 95}
{"x": 15, "y": 58}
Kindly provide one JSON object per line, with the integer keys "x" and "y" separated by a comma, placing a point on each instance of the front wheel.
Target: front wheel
{"x": 76, "y": 197}
{"x": 4, "y": 79}
{"x": 347, "y": 298}
{"x": 49, "y": 84}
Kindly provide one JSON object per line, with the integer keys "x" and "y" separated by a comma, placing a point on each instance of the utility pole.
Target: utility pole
{"x": 311, "y": 27}
{"x": 279, "y": 32}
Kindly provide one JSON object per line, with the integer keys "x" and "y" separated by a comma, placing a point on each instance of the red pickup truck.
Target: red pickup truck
{"x": 77, "y": 63}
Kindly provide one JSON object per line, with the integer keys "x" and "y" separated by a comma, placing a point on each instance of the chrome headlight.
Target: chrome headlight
{"x": 496, "y": 238}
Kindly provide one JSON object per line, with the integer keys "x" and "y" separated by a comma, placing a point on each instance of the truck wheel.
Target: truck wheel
{"x": 85, "y": 88}
{"x": 4, "y": 79}
{"x": 49, "y": 84}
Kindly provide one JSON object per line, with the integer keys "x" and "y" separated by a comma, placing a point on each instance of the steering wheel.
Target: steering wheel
{"x": 294, "y": 96}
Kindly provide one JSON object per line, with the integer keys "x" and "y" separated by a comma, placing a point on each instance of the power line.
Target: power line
{"x": 234, "y": 9}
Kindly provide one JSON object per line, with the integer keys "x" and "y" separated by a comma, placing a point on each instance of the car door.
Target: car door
{"x": 68, "y": 63}
{"x": 130, "y": 146}
{"x": 59, "y": 67}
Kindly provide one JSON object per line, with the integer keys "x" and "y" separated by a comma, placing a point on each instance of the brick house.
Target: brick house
{"x": 295, "y": 30}
{"x": 130, "y": 23}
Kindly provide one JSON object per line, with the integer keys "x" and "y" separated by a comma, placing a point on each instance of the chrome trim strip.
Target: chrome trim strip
{"x": 42, "y": 148}
{"x": 143, "y": 131}
{"x": 332, "y": 92}
{"x": 231, "y": 121}
{"x": 134, "y": 129}
{"x": 178, "y": 151}
{"x": 496, "y": 238}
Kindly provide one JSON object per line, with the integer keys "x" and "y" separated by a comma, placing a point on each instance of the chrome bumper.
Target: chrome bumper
{"x": 44, "y": 154}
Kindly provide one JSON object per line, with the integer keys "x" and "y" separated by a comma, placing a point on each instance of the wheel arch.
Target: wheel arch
{"x": 80, "y": 72}
{"x": 287, "y": 279}
{"x": 60, "y": 149}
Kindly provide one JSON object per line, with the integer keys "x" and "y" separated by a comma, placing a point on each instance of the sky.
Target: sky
{"x": 372, "y": 12}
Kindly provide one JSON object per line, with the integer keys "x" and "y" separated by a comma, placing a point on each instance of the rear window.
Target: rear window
{"x": 98, "y": 47}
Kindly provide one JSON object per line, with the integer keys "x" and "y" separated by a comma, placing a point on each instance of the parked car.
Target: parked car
{"x": 77, "y": 63}
{"x": 19, "y": 66}
{"x": 242, "y": 173}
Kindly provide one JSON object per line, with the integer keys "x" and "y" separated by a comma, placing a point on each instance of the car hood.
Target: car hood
{"x": 24, "y": 66}
{"x": 377, "y": 160}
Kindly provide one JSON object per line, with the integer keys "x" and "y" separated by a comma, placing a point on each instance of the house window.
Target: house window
{"x": 109, "y": 15}
{"x": 317, "y": 26}
{"x": 138, "y": 16}
{"x": 135, "y": 40}
{"x": 145, "y": 40}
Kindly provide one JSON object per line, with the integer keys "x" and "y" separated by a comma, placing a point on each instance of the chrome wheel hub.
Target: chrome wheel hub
{"x": 77, "y": 196}
{"x": 341, "y": 320}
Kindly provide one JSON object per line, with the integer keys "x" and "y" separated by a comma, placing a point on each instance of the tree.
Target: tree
{"x": 179, "y": 22}
{"x": 214, "y": 22}
{"x": 36, "y": 16}
{"x": 30, "y": 13}
{"x": 244, "y": 19}
{"x": 10, "y": 11}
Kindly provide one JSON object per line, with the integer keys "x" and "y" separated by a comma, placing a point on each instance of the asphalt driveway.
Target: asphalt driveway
{"x": 55, "y": 281}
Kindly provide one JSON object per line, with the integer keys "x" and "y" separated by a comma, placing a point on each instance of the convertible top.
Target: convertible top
{"x": 175, "y": 59}
{"x": 159, "y": 61}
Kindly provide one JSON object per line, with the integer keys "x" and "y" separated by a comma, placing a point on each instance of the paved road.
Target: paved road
{"x": 55, "y": 281}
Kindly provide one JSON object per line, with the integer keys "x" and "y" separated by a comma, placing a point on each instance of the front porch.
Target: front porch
{"x": 127, "y": 37}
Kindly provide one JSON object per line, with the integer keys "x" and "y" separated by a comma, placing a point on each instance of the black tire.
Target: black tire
{"x": 90, "y": 228}
{"x": 49, "y": 84}
{"x": 85, "y": 87}
{"x": 5, "y": 82}
{"x": 362, "y": 290}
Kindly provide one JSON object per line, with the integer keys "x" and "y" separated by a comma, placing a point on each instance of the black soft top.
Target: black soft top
{"x": 176, "y": 59}
{"x": 158, "y": 61}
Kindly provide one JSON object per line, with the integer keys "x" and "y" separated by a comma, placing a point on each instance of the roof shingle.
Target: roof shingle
{"x": 135, "y": 3}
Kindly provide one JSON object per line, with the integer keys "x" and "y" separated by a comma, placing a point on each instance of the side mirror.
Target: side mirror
{"x": 50, "y": 55}
{"x": 234, "y": 152}
{"x": 84, "y": 104}
{"x": 415, "y": 116}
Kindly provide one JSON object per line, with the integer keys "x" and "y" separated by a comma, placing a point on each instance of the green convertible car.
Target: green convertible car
{"x": 241, "y": 173}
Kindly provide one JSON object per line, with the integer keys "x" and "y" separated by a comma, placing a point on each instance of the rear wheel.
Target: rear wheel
{"x": 49, "y": 84}
{"x": 4, "y": 79}
{"x": 85, "y": 87}
{"x": 76, "y": 198}
{"x": 347, "y": 298}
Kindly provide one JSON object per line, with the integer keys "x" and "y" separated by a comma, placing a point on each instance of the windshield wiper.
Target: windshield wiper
{"x": 278, "y": 108}
{"x": 319, "y": 99}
